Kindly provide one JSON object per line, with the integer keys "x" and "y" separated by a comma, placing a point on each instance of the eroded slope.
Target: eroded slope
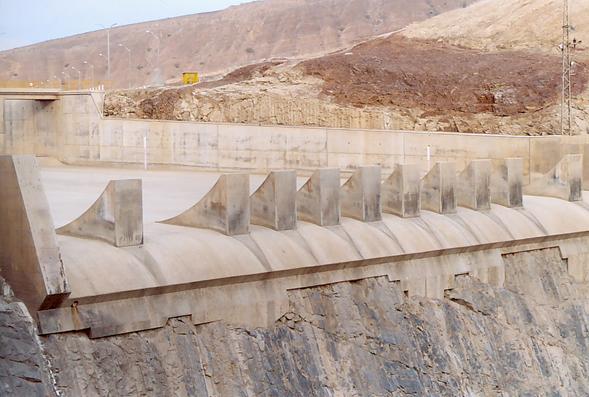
{"x": 507, "y": 24}
{"x": 217, "y": 42}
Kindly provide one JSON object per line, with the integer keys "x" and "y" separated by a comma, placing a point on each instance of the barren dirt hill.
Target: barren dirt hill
{"x": 508, "y": 24}
{"x": 219, "y": 41}
{"x": 385, "y": 83}
{"x": 506, "y": 79}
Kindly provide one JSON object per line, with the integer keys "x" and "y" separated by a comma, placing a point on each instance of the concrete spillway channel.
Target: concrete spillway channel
{"x": 233, "y": 256}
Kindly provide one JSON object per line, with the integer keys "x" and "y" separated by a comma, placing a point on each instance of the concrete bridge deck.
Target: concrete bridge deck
{"x": 39, "y": 94}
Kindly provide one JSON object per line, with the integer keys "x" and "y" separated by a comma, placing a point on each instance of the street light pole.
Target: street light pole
{"x": 79, "y": 77}
{"x": 108, "y": 49}
{"x": 129, "y": 66}
{"x": 91, "y": 66}
{"x": 65, "y": 76}
{"x": 102, "y": 56}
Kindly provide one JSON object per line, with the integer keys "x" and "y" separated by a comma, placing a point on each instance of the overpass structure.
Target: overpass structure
{"x": 37, "y": 94}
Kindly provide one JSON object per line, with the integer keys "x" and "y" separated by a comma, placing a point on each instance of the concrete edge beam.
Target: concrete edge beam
{"x": 274, "y": 203}
{"x": 438, "y": 188}
{"x": 564, "y": 181}
{"x": 318, "y": 200}
{"x": 474, "y": 186}
{"x": 225, "y": 208}
{"x": 30, "y": 259}
{"x": 507, "y": 177}
{"x": 360, "y": 195}
{"x": 401, "y": 191}
{"x": 116, "y": 216}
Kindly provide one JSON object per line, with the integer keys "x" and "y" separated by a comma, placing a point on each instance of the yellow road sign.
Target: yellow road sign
{"x": 190, "y": 78}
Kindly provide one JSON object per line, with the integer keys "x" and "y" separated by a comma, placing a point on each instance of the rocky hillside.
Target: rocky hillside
{"x": 384, "y": 83}
{"x": 362, "y": 338}
{"x": 219, "y": 41}
{"x": 443, "y": 74}
{"x": 24, "y": 370}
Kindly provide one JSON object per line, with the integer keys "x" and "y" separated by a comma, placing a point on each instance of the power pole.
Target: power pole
{"x": 565, "y": 107}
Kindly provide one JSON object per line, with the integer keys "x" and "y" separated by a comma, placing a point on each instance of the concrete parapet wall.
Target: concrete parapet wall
{"x": 73, "y": 130}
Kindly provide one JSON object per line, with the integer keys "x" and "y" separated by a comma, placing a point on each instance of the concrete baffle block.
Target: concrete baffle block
{"x": 507, "y": 177}
{"x": 318, "y": 200}
{"x": 564, "y": 181}
{"x": 30, "y": 259}
{"x": 225, "y": 208}
{"x": 116, "y": 217}
{"x": 473, "y": 187}
{"x": 401, "y": 191}
{"x": 438, "y": 188}
{"x": 360, "y": 195}
{"x": 274, "y": 203}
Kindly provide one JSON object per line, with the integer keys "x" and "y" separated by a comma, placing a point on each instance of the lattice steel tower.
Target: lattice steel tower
{"x": 565, "y": 110}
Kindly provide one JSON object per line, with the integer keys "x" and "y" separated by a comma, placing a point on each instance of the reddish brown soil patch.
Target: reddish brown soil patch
{"x": 440, "y": 78}
{"x": 160, "y": 106}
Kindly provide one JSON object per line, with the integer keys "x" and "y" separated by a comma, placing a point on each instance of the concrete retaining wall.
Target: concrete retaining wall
{"x": 73, "y": 130}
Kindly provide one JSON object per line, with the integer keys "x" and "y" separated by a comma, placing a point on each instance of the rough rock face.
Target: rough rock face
{"x": 269, "y": 108}
{"x": 362, "y": 338}
{"x": 23, "y": 369}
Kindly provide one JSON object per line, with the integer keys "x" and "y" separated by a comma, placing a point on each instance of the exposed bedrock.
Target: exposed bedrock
{"x": 24, "y": 370}
{"x": 362, "y": 338}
